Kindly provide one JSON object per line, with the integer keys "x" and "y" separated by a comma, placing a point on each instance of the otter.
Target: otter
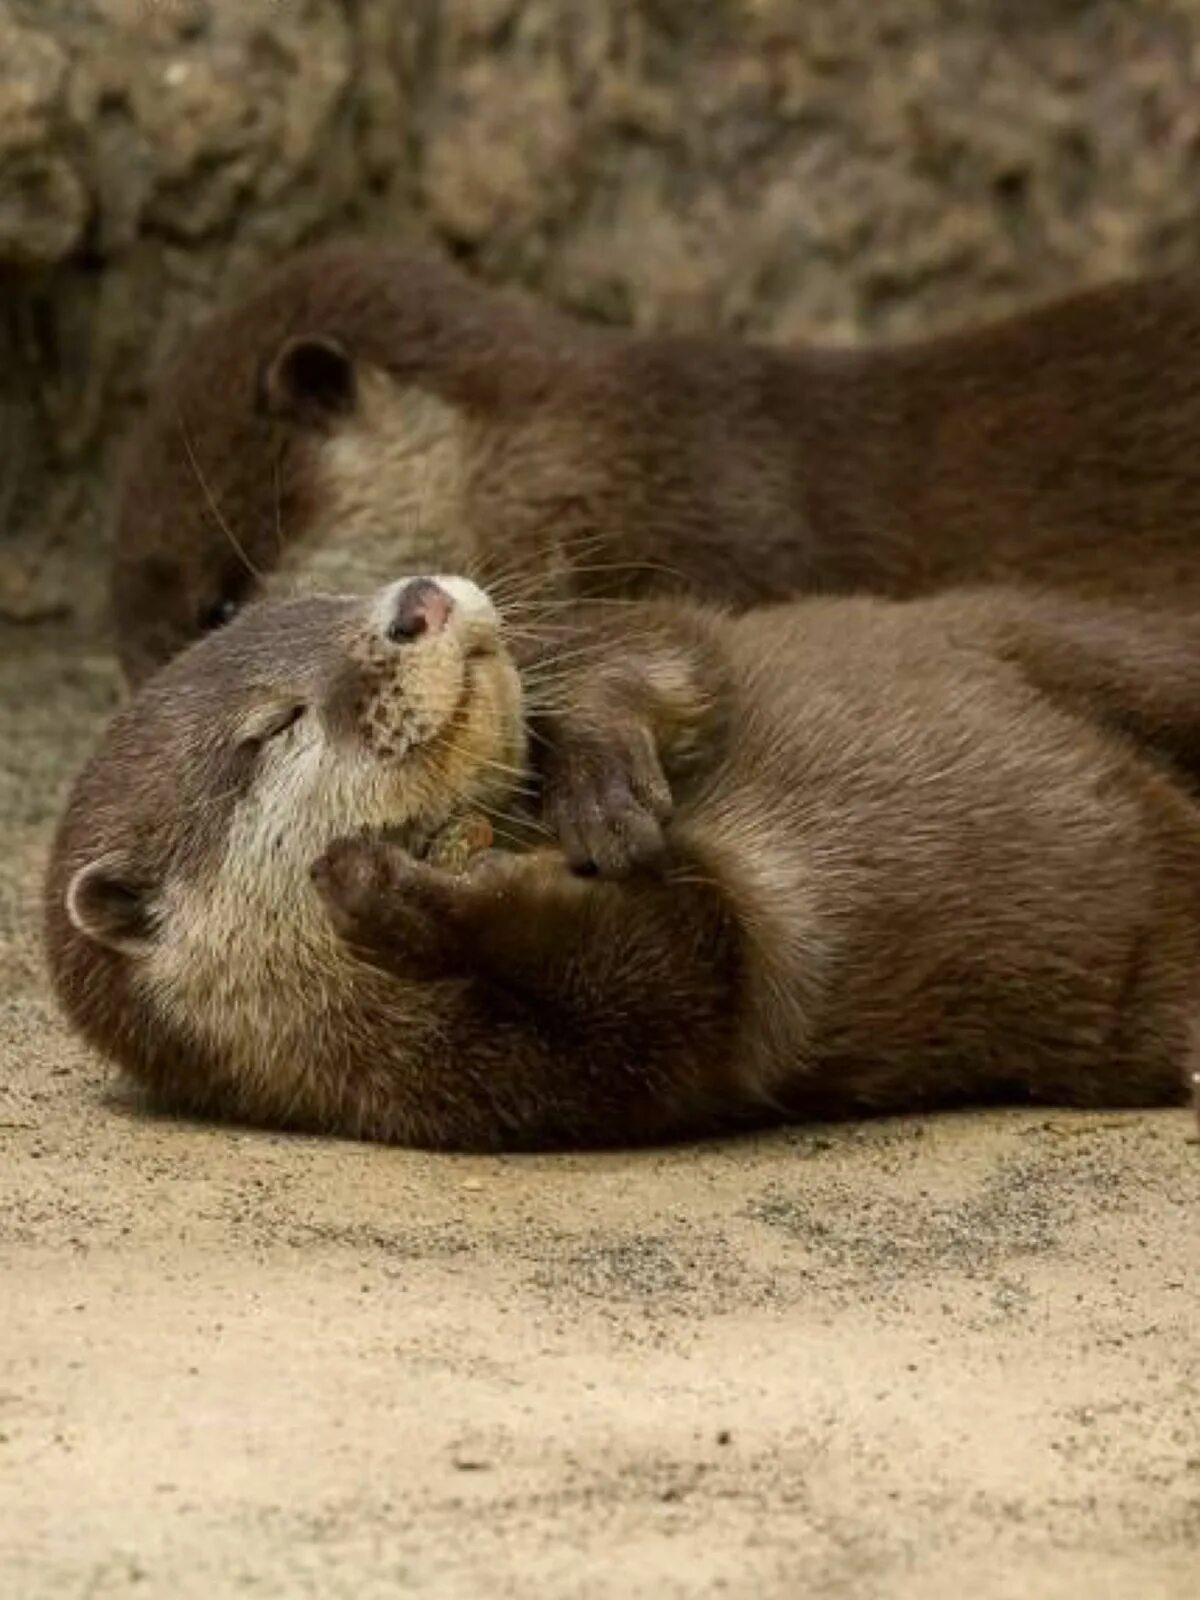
{"x": 828, "y": 858}
{"x": 367, "y": 410}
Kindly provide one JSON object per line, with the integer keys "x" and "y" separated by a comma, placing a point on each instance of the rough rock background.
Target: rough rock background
{"x": 774, "y": 166}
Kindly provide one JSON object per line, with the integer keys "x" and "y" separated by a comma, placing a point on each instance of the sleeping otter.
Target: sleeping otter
{"x": 854, "y": 855}
{"x": 367, "y": 410}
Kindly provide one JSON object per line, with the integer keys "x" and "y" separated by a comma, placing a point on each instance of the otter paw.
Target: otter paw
{"x": 381, "y": 901}
{"x": 353, "y": 876}
{"x": 607, "y": 799}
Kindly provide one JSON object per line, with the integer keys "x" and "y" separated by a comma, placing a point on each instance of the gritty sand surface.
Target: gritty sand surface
{"x": 931, "y": 1358}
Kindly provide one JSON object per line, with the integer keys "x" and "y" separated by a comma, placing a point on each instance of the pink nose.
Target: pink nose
{"x": 423, "y": 607}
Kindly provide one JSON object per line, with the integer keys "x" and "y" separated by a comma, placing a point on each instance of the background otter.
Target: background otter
{"x": 906, "y": 864}
{"x": 369, "y": 409}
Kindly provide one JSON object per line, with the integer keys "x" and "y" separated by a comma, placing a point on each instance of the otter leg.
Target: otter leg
{"x": 645, "y": 711}
{"x": 582, "y": 1008}
{"x": 525, "y": 918}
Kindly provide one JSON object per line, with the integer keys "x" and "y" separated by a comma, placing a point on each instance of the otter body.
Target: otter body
{"x": 854, "y": 855}
{"x": 368, "y": 410}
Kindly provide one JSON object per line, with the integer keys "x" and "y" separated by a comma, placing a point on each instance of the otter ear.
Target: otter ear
{"x": 106, "y": 902}
{"x": 309, "y": 379}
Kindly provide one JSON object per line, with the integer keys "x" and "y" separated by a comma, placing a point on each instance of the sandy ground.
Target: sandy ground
{"x": 918, "y": 1359}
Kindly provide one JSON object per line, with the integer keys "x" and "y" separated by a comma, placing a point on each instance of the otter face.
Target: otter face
{"x": 348, "y": 419}
{"x": 328, "y": 478}
{"x": 184, "y": 855}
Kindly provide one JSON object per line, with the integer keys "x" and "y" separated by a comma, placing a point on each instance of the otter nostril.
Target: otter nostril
{"x": 405, "y": 628}
{"x": 423, "y": 607}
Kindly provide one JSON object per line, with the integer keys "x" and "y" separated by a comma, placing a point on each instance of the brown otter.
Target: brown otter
{"x": 911, "y": 854}
{"x": 367, "y": 410}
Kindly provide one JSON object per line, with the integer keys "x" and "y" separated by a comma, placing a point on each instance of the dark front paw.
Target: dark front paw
{"x": 391, "y": 909}
{"x": 606, "y": 797}
{"x": 353, "y": 878}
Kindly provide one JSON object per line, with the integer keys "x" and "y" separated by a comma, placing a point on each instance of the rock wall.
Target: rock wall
{"x": 779, "y": 167}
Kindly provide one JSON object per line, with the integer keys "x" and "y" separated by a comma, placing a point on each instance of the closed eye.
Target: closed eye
{"x": 272, "y": 724}
{"x": 283, "y": 720}
{"x": 218, "y": 614}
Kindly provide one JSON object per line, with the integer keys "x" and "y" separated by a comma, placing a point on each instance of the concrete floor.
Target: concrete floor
{"x": 957, "y": 1356}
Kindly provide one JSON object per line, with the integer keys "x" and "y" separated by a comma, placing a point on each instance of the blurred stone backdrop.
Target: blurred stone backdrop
{"x": 783, "y": 168}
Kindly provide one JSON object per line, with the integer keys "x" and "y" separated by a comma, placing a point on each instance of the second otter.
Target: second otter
{"x": 912, "y": 855}
{"x": 368, "y": 410}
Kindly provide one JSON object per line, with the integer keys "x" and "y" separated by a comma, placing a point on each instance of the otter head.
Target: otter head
{"x": 360, "y": 412}
{"x": 184, "y": 935}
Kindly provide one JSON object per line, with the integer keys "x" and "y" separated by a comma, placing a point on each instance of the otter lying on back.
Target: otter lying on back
{"x": 367, "y": 411}
{"x": 911, "y": 855}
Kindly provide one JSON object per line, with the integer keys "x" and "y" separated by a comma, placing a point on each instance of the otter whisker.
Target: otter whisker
{"x": 520, "y": 825}
{"x": 210, "y": 500}
{"x": 279, "y": 549}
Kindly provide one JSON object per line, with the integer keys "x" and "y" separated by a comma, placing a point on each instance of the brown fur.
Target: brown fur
{"x": 914, "y": 855}
{"x": 465, "y": 432}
